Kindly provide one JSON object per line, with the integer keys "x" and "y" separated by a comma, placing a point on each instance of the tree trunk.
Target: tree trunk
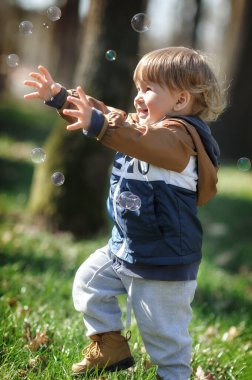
{"x": 197, "y": 19}
{"x": 67, "y": 38}
{"x": 79, "y": 205}
{"x": 233, "y": 131}
{"x": 108, "y": 27}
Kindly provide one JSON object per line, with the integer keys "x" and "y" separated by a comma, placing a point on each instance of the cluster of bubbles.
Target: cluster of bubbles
{"x": 38, "y": 156}
{"x": 26, "y": 28}
{"x": 140, "y": 23}
{"x": 53, "y": 14}
{"x": 244, "y": 164}
{"x": 129, "y": 201}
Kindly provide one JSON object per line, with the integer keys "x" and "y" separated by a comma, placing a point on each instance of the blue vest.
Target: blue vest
{"x": 165, "y": 230}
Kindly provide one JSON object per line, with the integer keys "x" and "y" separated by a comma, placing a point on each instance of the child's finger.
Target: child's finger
{"x": 38, "y": 76}
{"x": 45, "y": 72}
{"x": 82, "y": 95}
{"x": 76, "y": 101}
{"x": 32, "y": 95}
{"x": 73, "y": 127}
{"x": 73, "y": 113}
{"x": 31, "y": 83}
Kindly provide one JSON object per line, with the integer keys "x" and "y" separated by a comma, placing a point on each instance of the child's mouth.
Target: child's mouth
{"x": 142, "y": 112}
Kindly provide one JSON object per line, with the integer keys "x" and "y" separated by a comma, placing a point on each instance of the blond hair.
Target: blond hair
{"x": 181, "y": 68}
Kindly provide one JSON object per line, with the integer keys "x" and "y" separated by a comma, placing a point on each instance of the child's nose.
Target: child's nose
{"x": 139, "y": 97}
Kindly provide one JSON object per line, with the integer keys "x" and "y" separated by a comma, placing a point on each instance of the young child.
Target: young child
{"x": 167, "y": 157}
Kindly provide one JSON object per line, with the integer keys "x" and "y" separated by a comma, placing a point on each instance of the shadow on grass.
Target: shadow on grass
{"x": 37, "y": 263}
{"x": 15, "y": 176}
{"x": 227, "y": 225}
{"x": 222, "y": 302}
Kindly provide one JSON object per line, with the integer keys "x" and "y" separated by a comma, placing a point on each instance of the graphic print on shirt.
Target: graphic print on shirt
{"x": 143, "y": 171}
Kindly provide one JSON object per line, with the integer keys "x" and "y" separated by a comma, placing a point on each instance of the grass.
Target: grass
{"x": 42, "y": 335}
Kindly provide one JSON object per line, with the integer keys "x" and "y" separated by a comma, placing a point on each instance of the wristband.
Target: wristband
{"x": 58, "y": 100}
{"x": 96, "y": 124}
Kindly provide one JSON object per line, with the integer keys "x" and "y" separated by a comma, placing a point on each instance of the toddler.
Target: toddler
{"x": 166, "y": 157}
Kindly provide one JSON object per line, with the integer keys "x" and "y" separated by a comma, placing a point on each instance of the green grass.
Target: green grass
{"x": 37, "y": 270}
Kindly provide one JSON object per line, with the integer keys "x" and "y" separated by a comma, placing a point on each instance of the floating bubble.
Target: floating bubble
{"x": 58, "y": 178}
{"x": 12, "y": 60}
{"x": 141, "y": 22}
{"x": 45, "y": 25}
{"x": 244, "y": 164}
{"x": 38, "y": 155}
{"x": 26, "y": 27}
{"x": 53, "y": 13}
{"x": 129, "y": 201}
{"x": 110, "y": 55}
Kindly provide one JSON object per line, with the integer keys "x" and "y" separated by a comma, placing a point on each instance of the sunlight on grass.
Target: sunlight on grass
{"x": 235, "y": 183}
{"x": 13, "y": 150}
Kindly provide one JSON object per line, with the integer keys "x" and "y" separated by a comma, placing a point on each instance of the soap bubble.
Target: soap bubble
{"x": 129, "y": 201}
{"x": 26, "y": 27}
{"x": 53, "y": 13}
{"x": 38, "y": 155}
{"x": 45, "y": 25}
{"x": 12, "y": 60}
{"x": 58, "y": 178}
{"x": 244, "y": 164}
{"x": 141, "y": 22}
{"x": 110, "y": 55}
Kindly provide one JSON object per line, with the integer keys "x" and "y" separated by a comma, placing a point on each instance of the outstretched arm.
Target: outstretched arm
{"x": 56, "y": 96}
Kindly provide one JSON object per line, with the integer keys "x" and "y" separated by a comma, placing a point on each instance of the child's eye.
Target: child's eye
{"x": 148, "y": 89}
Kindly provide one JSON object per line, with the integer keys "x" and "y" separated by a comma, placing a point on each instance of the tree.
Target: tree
{"x": 233, "y": 131}
{"x": 78, "y": 206}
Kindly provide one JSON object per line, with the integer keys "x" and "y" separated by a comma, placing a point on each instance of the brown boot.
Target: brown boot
{"x": 106, "y": 352}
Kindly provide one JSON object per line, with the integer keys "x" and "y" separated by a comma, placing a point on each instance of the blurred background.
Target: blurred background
{"x": 74, "y": 44}
{"x": 49, "y": 223}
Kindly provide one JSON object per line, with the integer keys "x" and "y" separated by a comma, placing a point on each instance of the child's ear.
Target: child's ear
{"x": 183, "y": 100}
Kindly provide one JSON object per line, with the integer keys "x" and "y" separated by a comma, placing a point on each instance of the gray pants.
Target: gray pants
{"x": 162, "y": 311}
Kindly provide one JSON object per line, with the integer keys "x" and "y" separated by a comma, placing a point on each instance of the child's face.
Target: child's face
{"x": 153, "y": 102}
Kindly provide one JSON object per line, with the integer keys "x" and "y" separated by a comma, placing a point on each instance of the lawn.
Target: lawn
{"x": 42, "y": 334}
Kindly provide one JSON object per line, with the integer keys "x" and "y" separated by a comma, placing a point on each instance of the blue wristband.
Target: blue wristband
{"x": 96, "y": 123}
{"x": 58, "y": 100}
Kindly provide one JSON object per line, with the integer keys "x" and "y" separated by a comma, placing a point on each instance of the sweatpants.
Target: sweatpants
{"x": 162, "y": 310}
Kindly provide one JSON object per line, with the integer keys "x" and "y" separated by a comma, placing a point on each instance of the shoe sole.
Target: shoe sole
{"x": 123, "y": 364}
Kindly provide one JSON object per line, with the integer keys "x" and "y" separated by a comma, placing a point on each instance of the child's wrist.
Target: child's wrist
{"x": 58, "y": 100}
{"x": 96, "y": 124}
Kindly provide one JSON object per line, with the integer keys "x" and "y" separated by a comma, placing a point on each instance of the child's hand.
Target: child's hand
{"x": 45, "y": 85}
{"x": 83, "y": 112}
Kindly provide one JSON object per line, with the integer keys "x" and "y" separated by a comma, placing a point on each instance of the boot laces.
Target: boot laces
{"x": 92, "y": 351}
